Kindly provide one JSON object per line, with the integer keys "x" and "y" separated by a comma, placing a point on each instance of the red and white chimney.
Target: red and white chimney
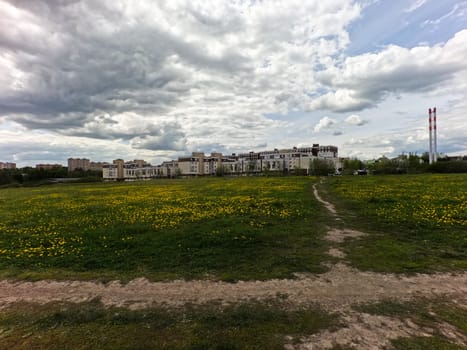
{"x": 430, "y": 154}
{"x": 435, "y": 137}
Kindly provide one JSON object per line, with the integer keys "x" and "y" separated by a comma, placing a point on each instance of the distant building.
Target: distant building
{"x": 48, "y": 166}
{"x": 7, "y": 165}
{"x": 97, "y": 166}
{"x": 84, "y": 164}
{"x": 198, "y": 164}
{"x": 78, "y": 164}
{"x": 137, "y": 169}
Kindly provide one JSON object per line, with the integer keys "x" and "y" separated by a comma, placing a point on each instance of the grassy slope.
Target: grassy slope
{"x": 416, "y": 223}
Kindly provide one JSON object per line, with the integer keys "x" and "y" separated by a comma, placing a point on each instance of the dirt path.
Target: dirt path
{"x": 335, "y": 290}
{"x": 329, "y": 206}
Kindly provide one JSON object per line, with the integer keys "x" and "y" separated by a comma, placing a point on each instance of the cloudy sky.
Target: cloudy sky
{"x": 159, "y": 79}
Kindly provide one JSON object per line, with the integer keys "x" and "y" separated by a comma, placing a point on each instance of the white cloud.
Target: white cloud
{"x": 415, "y": 5}
{"x": 112, "y": 71}
{"x": 355, "y": 120}
{"x": 365, "y": 80}
{"x": 459, "y": 10}
{"x": 155, "y": 79}
{"x": 324, "y": 123}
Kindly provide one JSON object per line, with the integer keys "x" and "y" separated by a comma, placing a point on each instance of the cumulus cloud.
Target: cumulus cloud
{"x": 83, "y": 68}
{"x": 365, "y": 80}
{"x": 355, "y": 120}
{"x": 324, "y": 123}
{"x": 162, "y": 78}
{"x": 169, "y": 136}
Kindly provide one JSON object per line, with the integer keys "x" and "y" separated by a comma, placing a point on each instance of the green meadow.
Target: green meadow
{"x": 230, "y": 228}
{"x": 246, "y": 228}
{"x": 219, "y": 228}
{"x": 415, "y": 223}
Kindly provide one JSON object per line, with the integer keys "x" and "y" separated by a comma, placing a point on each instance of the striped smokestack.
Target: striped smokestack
{"x": 430, "y": 154}
{"x": 435, "y": 137}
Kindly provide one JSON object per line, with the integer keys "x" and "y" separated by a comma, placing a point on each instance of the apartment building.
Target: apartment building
{"x": 78, "y": 164}
{"x": 84, "y": 164}
{"x": 199, "y": 164}
{"x": 137, "y": 169}
{"x": 7, "y": 165}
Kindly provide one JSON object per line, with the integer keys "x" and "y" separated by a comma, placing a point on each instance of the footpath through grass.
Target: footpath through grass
{"x": 220, "y": 228}
{"x": 429, "y": 314}
{"x": 417, "y": 223}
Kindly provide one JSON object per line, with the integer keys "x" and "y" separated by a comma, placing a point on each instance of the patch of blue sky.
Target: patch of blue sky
{"x": 399, "y": 22}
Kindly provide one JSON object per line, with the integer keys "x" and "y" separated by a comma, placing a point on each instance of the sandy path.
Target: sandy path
{"x": 334, "y": 289}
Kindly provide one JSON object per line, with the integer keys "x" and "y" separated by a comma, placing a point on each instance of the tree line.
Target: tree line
{"x": 406, "y": 164}
{"x": 37, "y": 176}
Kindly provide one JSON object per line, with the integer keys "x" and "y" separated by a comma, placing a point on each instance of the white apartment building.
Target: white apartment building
{"x": 199, "y": 164}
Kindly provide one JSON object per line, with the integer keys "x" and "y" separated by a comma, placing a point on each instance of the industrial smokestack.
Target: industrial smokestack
{"x": 430, "y": 154}
{"x": 435, "y": 137}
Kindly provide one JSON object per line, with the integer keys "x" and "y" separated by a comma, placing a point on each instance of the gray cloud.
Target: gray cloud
{"x": 87, "y": 58}
{"x": 161, "y": 78}
{"x": 73, "y": 60}
{"x": 166, "y": 137}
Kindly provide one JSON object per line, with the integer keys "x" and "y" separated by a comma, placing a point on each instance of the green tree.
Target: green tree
{"x": 321, "y": 167}
{"x": 352, "y": 165}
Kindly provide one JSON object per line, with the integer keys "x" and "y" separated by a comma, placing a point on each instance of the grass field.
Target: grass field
{"x": 228, "y": 229}
{"x": 417, "y": 223}
{"x": 91, "y": 326}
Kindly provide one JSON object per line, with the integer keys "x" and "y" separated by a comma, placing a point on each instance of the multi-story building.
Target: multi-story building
{"x": 198, "y": 164}
{"x": 84, "y": 165}
{"x": 48, "y": 166}
{"x": 7, "y": 165}
{"x": 78, "y": 164}
{"x": 137, "y": 169}
{"x": 97, "y": 166}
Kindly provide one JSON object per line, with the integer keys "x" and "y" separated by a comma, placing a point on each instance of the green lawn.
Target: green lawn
{"x": 221, "y": 228}
{"x": 416, "y": 223}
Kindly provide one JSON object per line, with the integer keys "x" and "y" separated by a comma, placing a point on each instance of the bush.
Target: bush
{"x": 454, "y": 166}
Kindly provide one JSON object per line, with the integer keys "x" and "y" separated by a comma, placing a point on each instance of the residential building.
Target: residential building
{"x": 198, "y": 164}
{"x": 97, "y": 166}
{"x": 78, "y": 164}
{"x": 7, "y": 165}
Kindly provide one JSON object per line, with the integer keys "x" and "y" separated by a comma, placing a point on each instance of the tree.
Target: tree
{"x": 321, "y": 167}
{"x": 352, "y": 165}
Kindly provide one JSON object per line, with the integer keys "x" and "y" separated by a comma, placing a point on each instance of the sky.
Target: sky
{"x": 156, "y": 80}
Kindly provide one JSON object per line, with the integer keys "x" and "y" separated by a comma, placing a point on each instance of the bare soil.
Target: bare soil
{"x": 335, "y": 291}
